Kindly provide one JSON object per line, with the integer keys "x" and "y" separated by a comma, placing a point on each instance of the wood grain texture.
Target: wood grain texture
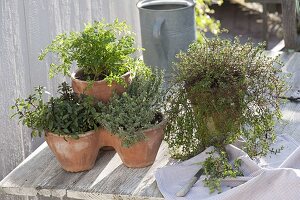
{"x": 289, "y": 24}
{"x": 265, "y": 1}
{"x": 27, "y": 26}
{"x": 291, "y": 110}
{"x": 40, "y": 175}
{"x": 14, "y": 143}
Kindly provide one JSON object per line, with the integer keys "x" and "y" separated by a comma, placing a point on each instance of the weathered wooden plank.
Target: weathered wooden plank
{"x": 289, "y": 24}
{"x": 14, "y": 140}
{"x": 40, "y": 174}
{"x": 264, "y": 1}
{"x": 27, "y": 26}
{"x": 291, "y": 110}
{"x": 48, "y": 198}
{"x": 278, "y": 47}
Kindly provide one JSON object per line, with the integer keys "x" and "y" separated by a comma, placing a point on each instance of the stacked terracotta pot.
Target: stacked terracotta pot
{"x": 80, "y": 154}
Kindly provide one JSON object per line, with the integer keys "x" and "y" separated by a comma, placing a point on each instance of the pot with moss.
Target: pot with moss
{"x": 69, "y": 123}
{"x": 102, "y": 53}
{"x": 223, "y": 91}
{"x": 133, "y": 124}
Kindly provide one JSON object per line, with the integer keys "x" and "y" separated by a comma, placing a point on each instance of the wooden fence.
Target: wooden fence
{"x": 26, "y": 27}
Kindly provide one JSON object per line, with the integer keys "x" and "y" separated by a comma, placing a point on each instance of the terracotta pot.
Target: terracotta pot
{"x": 220, "y": 124}
{"x": 141, "y": 154}
{"x": 74, "y": 155}
{"x": 100, "y": 89}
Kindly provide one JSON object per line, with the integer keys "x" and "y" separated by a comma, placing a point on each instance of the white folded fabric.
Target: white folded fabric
{"x": 274, "y": 177}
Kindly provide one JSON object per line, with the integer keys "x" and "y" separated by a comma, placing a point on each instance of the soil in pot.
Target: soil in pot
{"x": 74, "y": 155}
{"x": 99, "y": 89}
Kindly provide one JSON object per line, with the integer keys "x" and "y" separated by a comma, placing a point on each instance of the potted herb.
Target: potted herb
{"x": 102, "y": 54}
{"x": 76, "y": 126}
{"x": 223, "y": 90}
{"x": 69, "y": 122}
{"x": 133, "y": 123}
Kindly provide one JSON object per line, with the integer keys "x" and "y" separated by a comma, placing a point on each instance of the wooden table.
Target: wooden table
{"x": 40, "y": 174}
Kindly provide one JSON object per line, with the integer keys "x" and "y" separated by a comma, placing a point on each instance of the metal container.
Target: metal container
{"x": 167, "y": 26}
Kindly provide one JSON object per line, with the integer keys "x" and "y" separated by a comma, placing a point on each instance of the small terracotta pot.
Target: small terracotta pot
{"x": 74, "y": 155}
{"x": 141, "y": 154}
{"x": 100, "y": 89}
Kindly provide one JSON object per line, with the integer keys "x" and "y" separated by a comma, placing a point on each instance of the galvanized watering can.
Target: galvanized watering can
{"x": 167, "y": 26}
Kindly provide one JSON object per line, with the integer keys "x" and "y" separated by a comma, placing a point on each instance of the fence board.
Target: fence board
{"x": 27, "y": 26}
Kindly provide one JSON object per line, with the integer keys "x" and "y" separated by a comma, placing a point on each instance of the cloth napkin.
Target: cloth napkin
{"x": 273, "y": 177}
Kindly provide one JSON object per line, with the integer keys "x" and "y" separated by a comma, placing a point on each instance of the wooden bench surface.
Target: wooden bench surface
{"x": 264, "y": 1}
{"x": 41, "y": 175}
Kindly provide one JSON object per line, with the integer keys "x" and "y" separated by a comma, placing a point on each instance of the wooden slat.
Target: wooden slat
{"x": 279, "y": 47}
{"x": 264, "y": 1}
{"x": 40, "y": 174}
{"x": 289, "y": 24}
{"x": 15, "y": 142}
{"x": 27, "y": 26}
{"x": 291, "y": 110}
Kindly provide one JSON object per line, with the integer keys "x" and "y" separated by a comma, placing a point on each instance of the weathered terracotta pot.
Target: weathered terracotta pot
{"x": 77, "y": 155}
{"x": 100, "y": 89}
{"x": 74, "y": 155}
{"x": 141, "y": 154}
{"x": 221, "y": 124}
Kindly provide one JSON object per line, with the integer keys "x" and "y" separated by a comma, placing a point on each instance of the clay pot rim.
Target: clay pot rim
{"x": 88, "y": 133}
{"x": 161, "y": 124}
{"x": 73, "y": 77}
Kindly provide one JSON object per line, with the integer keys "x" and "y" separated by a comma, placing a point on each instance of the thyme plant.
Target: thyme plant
{"x": 217, "y": 168}
{"x": 136, "y": 110}
{"x": 68, "y": 114}
{"x": 101, "y": 50}
{"x": 223, "y": 90}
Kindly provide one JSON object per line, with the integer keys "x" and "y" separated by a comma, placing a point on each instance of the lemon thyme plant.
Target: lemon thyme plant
{"x": 68, "y": 114}
{"x": 102, "y": 51}
{"x": 136, "y": 110}
{"x": 223, "y": 90}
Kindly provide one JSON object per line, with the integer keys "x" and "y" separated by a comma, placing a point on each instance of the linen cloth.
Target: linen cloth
{"x": 274, "y": 177}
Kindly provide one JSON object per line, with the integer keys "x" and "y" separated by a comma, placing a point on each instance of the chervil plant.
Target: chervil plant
{"x": 68, "y": 114}
{"x": 223, "y": 90}
{"x": 101, "y": 50}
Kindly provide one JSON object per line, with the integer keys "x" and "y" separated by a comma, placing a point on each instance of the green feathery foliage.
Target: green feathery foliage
{"x": 101, "y": 50}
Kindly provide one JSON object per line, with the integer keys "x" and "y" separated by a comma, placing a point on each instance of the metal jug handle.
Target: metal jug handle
{"x": 157, "y": 29}
{"x": 157, "y": 36}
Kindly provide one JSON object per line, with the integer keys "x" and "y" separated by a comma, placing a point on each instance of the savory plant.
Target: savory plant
{"x": 68, "y": 114}
{"x": 223, "y": 90}
{"x": 135, "y": 110}
{"x": 101, "y": 51}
